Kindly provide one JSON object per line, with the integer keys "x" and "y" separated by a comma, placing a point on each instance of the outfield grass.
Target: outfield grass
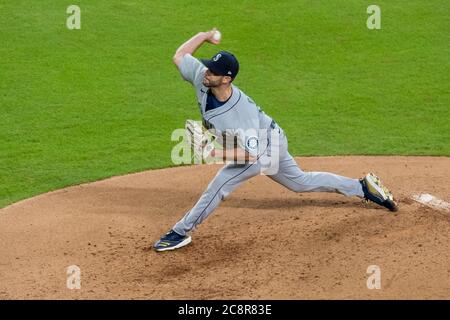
{"x": 87, "y": 104}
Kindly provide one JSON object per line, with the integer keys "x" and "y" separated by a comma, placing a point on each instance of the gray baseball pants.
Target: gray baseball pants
{"x": 275, "y": 162}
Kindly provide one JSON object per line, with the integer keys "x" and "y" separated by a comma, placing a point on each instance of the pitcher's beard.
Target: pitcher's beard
{"x": 210, "y": 84}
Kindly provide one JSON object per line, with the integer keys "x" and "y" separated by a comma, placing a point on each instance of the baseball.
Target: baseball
{"x": 217, "y": 35}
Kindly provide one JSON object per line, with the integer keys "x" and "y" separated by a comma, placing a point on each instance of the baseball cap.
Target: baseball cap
{"x": 223, "y": 63}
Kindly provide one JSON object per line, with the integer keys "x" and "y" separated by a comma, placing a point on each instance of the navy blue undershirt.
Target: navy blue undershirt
{"x": 213, "y": 103}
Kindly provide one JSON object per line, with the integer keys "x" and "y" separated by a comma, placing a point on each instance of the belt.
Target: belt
{"x": 273, "y": 124}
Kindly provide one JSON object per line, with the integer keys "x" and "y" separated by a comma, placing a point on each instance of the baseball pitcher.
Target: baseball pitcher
{"x": 260, "y": 145}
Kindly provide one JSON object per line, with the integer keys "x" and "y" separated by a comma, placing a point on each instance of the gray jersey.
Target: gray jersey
{"x": 240, "y": 112}
{"x": 239, "y": 117}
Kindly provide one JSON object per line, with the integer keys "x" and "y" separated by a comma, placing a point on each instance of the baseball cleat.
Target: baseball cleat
{"x": 376, "y": 192}
{"x": 171, "y": 241}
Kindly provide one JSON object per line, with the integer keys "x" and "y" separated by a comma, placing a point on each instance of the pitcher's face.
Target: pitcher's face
{"x": 211, "y": 79}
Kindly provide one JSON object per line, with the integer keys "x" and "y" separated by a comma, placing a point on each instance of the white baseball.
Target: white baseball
{"x": 217, "y": 35}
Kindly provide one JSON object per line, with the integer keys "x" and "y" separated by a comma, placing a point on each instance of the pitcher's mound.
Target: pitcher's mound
{"x": 263, "y": 242}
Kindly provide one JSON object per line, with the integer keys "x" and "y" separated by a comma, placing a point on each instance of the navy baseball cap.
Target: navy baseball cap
{"x": 223, "y": 63}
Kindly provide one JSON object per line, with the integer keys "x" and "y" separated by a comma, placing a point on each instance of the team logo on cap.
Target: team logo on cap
{"x": 217, "y": 57}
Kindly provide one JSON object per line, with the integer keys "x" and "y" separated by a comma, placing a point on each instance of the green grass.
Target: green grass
{"x": 82, "y": 105}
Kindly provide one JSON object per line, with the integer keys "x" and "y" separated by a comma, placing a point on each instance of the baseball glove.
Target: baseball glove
{"x": 200, "y": 140}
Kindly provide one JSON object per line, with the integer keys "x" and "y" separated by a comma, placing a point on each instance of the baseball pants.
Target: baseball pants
{"x": 275, "y": 162}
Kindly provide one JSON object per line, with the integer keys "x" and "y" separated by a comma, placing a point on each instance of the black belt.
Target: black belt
{"x": 273, "y": 124}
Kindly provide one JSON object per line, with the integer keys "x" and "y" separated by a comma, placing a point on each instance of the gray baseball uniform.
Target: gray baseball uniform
{"x": 262, "y": 138}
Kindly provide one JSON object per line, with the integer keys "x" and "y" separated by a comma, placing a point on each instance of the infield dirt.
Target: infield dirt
{"x": 263, "y": 242}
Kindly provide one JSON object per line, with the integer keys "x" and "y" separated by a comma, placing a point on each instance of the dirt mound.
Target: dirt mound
{"x": 263, "y": 242}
